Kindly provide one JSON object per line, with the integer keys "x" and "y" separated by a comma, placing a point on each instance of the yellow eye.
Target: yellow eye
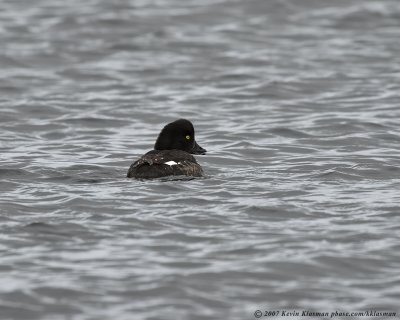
{"x": 187, "y": 137}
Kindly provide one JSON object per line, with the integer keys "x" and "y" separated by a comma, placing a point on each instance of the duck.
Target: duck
{"x": 172, "y": 154}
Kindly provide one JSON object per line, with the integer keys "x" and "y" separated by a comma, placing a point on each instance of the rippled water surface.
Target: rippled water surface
{"x": 297, "y": 103}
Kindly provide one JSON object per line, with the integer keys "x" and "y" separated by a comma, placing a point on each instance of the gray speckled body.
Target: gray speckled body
{"x": 153, "y": 165}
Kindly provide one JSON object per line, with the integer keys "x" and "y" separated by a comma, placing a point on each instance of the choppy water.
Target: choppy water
{"x": 297, "y": 103}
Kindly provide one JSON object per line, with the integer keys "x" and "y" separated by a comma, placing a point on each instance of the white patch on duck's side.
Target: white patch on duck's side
{"x": 171, "y": 163}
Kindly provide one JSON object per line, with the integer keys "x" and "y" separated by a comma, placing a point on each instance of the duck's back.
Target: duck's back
{"x": 162, "y": 163}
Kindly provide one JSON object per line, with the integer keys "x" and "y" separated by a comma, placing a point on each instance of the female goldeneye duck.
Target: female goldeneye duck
{"x": 171, "y": 155}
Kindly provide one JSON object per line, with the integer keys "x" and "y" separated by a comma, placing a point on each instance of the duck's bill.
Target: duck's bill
{"x": 197, "y": 149}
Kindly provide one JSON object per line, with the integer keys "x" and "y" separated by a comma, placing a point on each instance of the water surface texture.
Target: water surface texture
{"x": 297, "y": 103}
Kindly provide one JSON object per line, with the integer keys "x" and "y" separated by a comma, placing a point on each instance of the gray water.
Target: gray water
{"x": 297, "y": 103}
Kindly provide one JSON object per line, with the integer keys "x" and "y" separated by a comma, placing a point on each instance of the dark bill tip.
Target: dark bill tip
{"x": 197, "y": 149}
